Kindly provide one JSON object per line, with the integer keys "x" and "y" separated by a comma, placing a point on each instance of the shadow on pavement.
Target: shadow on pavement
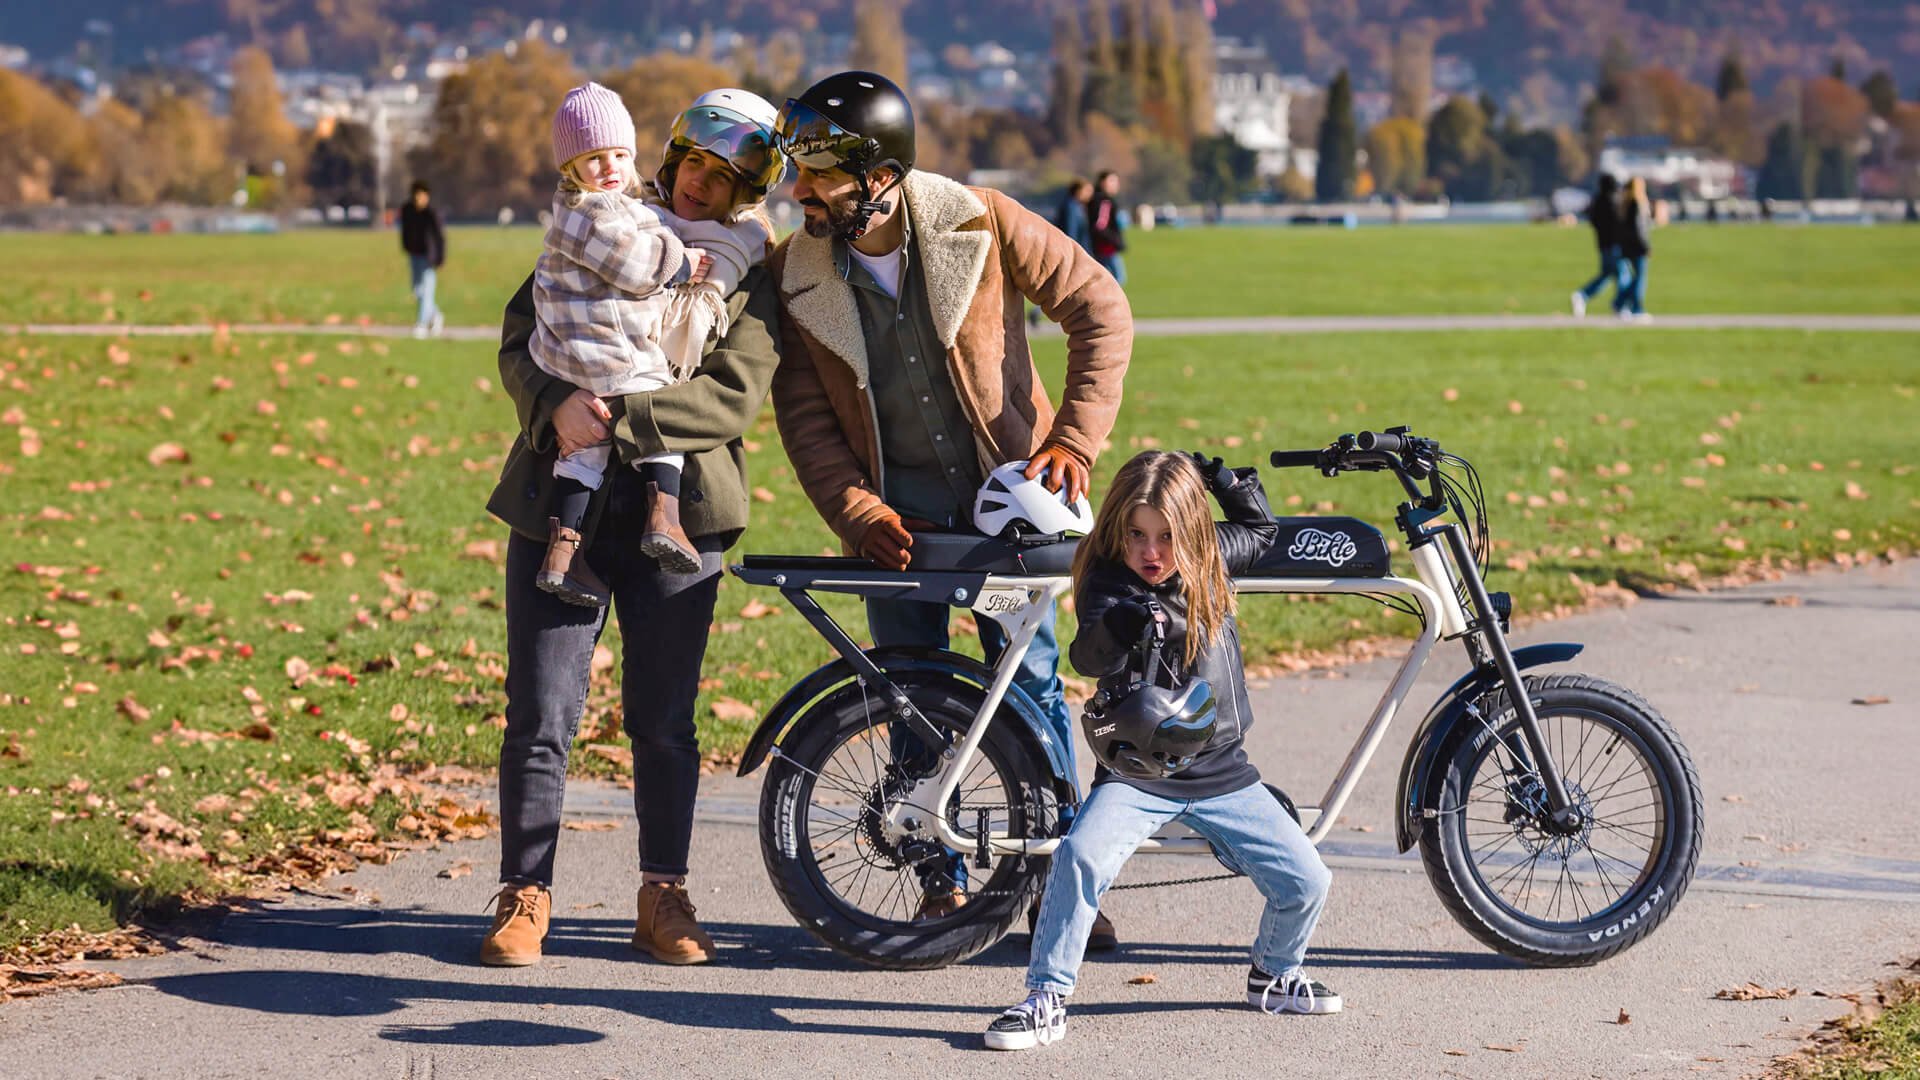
{"x": 490, "y": 1033}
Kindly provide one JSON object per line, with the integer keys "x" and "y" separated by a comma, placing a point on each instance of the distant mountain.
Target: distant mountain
{"x": 1544, "y": 49}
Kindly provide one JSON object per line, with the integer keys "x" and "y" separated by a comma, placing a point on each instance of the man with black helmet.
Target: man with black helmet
{"x": 905, "y": 374}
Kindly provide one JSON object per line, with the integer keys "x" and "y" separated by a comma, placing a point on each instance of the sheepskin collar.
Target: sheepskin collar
{"x": 951, "y": 262}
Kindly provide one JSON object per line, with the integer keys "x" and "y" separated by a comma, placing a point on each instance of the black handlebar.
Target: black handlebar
{"x": 1386, "y": 443}
{"x": 1296, "y": 459}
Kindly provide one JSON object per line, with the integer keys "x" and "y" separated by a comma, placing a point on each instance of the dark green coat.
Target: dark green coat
{"x": 703, "y": 418}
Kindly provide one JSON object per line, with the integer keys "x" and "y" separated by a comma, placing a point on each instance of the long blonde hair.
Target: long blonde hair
{"x": 1171, "y": 484}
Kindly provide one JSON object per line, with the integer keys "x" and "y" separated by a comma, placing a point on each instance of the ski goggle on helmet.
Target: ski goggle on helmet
{"x": 723, "y": 124}
{"x": 817, "y": 141}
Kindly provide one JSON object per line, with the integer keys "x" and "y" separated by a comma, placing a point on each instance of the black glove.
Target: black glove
{"x": 1127, "y": 620}
{"x": 1213, "y": 470}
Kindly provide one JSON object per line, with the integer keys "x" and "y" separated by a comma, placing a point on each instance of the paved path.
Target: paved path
{"x": 1810, "y": 879}
{"x": 1276, "y": 324}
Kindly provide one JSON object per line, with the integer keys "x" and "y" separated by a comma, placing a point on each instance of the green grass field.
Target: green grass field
{"x": 315, "y": 276}
{"x": 206, "y": 536}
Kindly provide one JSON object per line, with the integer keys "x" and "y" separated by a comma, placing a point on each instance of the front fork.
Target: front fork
{"x": 1562, "y": 814}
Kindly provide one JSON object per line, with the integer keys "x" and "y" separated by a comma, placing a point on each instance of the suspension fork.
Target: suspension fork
{"x": 1559, "y": 805}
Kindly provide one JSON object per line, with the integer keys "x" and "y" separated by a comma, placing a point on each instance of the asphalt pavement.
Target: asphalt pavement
{"x": 1809, "y": 881}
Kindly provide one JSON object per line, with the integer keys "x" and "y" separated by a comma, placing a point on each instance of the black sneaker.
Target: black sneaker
{"x": 1291, "y": 993}
{"x": 1039, "y": 1020}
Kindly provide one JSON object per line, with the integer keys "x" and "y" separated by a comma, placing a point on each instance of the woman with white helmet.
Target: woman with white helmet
{"x": 649, "y": 306}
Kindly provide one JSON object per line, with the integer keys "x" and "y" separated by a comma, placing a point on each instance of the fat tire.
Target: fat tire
{"x": 900, "y": 946}
{"x": 1443, "y": 850}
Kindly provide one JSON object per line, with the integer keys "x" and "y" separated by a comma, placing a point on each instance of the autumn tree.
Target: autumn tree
{"x": 259, "y": 134}
{"x": 657, "y": 89}
{"x": 1196, "y": 50}
{"x": 1882, "y": 96}
{"x": 1412, "y": 77}
{"x": 1397, "y": 155}
{"x": 1069, "y": 75}
{"x": 342, "y": 166}
{"x": 185, "y": 146}
{"x": 492, "y": 143}
{"x": 879, "y": 40}
{"x": 1333, "y": 179}
{"x": 1833, "y": 121}
{"x": 1223, "y": 170}
{"x": 1134, "y": 49}
{"x": 1463, "y": 156}
{"x": 1733, "y": 131}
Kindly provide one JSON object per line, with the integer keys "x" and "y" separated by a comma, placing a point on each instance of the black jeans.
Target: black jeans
{"x": 663, "y": 623}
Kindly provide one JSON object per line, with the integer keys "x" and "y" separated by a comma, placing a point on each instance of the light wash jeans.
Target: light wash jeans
{"x": 1249, "y": 825}
{"x": 424, "y": 281}
{"x": 914, "y": 622}
{"x": 1631, "y": 294}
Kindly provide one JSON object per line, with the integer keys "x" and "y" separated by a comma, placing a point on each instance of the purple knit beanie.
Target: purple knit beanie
{"x": 591, "y": 118}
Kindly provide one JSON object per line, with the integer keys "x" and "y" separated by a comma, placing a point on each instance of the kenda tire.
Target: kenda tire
{"x": 1673, "y": 848}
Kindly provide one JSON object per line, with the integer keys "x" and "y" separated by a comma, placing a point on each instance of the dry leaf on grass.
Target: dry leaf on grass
{"x": 1753, "y": 991}
{"x": 597, "y": 825}
{"x": 727, "y": 708}
{"x": 619, "y": 755}
{"x": 755, "y": 609}
{"x": 168, "y": 453}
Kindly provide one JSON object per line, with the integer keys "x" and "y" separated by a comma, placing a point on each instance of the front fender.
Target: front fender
{"x": 900, "y": 659}
{"x": 1418, "y": 773}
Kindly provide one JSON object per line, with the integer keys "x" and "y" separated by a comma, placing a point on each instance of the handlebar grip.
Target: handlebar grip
{"x": 1374, "y": 440}
{"x": 1295, "y": 459}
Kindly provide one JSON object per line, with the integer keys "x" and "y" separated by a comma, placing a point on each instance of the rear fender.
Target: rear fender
{"x": 1419, "y": 773}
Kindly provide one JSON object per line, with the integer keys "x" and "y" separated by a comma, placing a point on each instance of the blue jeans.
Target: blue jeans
{"x": 913, "y": 622}
{"x": 1609, "y": 271}
{"x": 1631, "y": 293}
{"x": 424, "y": 280}
{"x": 1116, "y": 266}
{"x": 1249, "y": 825}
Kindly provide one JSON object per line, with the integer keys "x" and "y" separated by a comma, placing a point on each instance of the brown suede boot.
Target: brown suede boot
{"x": 939, "y": 904}
{"x": 519, "y": 925}
{"x": 565, "y": 572}
{"x": 664, "y": 539}
{"x": 666, "y": 928}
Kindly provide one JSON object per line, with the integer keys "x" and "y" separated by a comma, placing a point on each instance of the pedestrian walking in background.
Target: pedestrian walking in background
{"x": 1071, "y": 215}
{"x": 1603, "y": 213}
{"x": 1109, "y": 239}
{"x": 1636, "y": 246}
{"x": 425, "y": 243}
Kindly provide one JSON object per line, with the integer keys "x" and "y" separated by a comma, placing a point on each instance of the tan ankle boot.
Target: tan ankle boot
{"x": 666, "y": 928}
{"x": 519, "y": 925}
{"x": 565, "y": 572}
{"x": 664, "y": 539}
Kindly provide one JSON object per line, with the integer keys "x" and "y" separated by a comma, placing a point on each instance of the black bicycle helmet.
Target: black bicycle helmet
{"x": 1149, "y": 732}
{"x": 855, "y": 121}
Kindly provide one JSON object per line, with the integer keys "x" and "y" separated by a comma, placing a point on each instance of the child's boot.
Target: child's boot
{"x": 664, "y": 539}
{"x": 565, "y": 572}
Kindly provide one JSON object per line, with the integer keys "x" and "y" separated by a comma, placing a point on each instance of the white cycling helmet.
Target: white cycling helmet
{"x": 1011, "y": 505}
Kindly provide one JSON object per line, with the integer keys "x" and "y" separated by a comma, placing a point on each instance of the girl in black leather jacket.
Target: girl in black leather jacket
{"x": 1156, "y": 539}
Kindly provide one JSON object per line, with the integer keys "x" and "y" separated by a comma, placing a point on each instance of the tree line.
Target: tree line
{"x": 1129, "y": 88}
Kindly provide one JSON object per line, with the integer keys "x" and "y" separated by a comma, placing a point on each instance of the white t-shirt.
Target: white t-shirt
{"x": 884, "y": 268}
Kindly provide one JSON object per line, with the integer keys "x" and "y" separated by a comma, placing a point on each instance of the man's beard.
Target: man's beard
{"x": 840, "y": 216}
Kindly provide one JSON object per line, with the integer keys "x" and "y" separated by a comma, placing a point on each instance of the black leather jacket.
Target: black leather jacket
{"x": 1244, "y": 537}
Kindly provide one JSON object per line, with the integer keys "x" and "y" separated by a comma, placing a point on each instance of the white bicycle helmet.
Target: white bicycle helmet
{"x": 735, "y": 125}
{"x": 1011, "y": 505}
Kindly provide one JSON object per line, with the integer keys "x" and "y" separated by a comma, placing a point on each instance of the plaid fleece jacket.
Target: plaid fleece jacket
{"x": 604, "y": 289}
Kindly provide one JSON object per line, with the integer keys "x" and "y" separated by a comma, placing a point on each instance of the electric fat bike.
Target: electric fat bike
{"x": 1558, "y": 815}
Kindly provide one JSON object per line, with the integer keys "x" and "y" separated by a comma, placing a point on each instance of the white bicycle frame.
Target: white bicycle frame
{"x": 1020, "y": 604}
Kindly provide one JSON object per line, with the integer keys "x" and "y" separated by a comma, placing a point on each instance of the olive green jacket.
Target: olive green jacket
{"x": 703, "y": 418}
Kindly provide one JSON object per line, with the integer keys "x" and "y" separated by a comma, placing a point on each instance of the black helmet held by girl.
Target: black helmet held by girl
{"x": 1145, "y": 731}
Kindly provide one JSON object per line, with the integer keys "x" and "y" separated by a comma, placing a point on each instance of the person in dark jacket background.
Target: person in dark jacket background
{"x": 1603, "y": 213}
{"x": 425, "y": 243}
{"x": 1636, "y": 246}
{"x": 1109, "y": 237}
{"x": 1155, "y": 540}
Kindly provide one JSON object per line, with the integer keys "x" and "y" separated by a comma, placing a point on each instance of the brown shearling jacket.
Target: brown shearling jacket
{"x": 982, "y": 254}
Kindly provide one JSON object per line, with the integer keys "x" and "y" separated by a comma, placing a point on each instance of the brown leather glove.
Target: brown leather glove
{"x": 886, "y": 543}
{"x": 1064, "y": 468}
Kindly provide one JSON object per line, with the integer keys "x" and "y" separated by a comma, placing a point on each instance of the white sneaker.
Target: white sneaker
{"x": 1037, "y": 1021}
{"x": 1623, "y": 315}
{"x": 1642, "y": 317}
{"x": 439, "y": 323}
{"x": 419, "y": 332}
{"x": 1293, "y": 992}
{"x": 1579, "y": 300}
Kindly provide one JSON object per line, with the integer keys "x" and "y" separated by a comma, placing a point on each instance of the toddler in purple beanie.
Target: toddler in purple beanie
{"x": 632, "y": 283}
